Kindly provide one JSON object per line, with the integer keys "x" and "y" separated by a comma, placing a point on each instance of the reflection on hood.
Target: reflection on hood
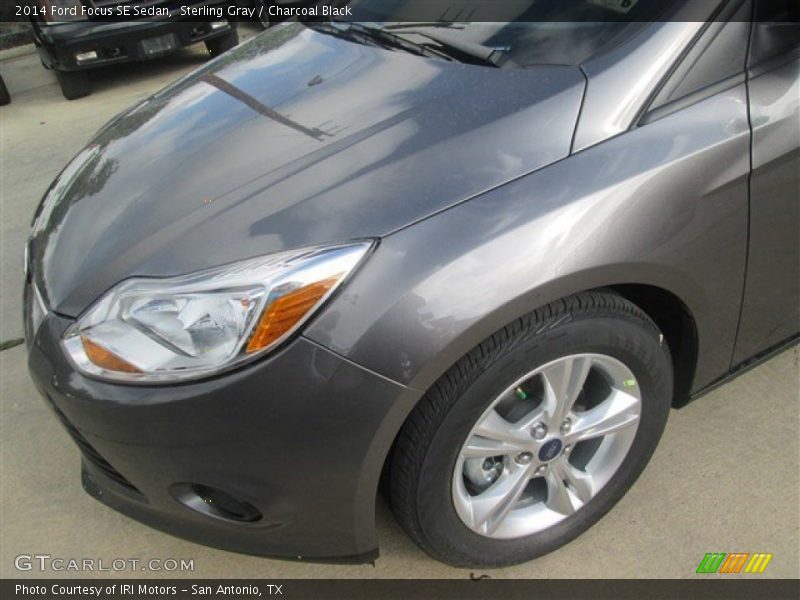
{"x": 294, "y": 138}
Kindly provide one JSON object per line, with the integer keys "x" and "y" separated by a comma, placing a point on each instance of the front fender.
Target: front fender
{"x": 663, "y": 205}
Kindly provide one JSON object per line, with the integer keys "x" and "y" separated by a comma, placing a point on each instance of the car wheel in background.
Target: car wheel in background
{"x": 535, "y": 434}
{"x": 5, "y": 98}
{"x": 74, "y": 84}
{"x": 263, "y": 13}
{"x": 223, "y": 43}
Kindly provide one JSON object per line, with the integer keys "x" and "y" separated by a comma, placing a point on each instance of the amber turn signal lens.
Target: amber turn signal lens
{"x": 285, "y": 312}
{"x": 105, "y": 359}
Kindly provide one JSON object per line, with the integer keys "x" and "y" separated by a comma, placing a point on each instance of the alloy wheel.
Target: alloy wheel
{"x": 546, "y": 446}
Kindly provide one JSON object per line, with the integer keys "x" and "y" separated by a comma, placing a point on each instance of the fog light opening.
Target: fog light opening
{"x": 216, "y": 503}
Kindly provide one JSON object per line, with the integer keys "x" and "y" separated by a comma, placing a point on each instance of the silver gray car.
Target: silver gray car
{"x": 474, "y": 264}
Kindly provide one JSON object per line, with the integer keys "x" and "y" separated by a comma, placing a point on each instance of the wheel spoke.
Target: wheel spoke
{"x": 564, "y": 381}
{"x": 481, "y": 447}
{"x": 491, "y": 508}
{"x": 578, "y": 482}
{"x": 558, "y": 498}
{"x": 495, "y": 427}
{"x": 618, "y": 412}
{"x": 528, "y": 421}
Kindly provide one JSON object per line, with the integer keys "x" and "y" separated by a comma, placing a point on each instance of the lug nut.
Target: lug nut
{"x": 566, "y": 426}
{"x": 541, "y": 470}
{"x": 539, "y": 431}
{"x": 524, "y": 458}
{"x": 566, "y": 449}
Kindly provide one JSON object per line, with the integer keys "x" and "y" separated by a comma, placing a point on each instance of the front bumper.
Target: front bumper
{"x": 301, "y": 437}
{"x": 116, "y": 42}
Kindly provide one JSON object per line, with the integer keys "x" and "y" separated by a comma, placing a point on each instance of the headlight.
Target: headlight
{"x": 160, "y": 330}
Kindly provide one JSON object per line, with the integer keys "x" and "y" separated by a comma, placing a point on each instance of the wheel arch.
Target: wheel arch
{"x": 669, "y": 312}
{"x": 651, "y": 289}
{"x": 678, "y": 326}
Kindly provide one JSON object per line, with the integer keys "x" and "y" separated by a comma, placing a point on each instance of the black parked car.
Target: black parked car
{"x": 72, "y": 45}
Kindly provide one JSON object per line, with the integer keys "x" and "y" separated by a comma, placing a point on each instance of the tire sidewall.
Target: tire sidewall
{"x": 626, "y": 340}
{"x": 263, "y": 7}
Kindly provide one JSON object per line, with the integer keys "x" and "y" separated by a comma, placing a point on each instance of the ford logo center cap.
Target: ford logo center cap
{"x": 550, "y": 450}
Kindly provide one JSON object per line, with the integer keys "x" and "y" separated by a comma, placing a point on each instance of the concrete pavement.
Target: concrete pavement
{"x": 726, "y": 477}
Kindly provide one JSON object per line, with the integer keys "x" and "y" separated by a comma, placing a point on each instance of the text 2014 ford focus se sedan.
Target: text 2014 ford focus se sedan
{"x": 477, "y": 262}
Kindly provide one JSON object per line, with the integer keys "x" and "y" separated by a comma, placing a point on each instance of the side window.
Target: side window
{"x": 776, "y": 30}
{"x": 717, "y": 58}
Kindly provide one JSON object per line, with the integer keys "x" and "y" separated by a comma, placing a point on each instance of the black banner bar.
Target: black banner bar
{"x": 350, "y": 589}
{"x": 70, "y": 11}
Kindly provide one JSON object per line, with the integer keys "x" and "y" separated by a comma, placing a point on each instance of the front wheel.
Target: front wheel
{"x": 534, "y": 435}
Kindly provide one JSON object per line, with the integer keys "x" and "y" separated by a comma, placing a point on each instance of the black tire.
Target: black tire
{"x": 263, "y": 14}
{"x": 429, "y": 443}
{"x": 220, "y": 45}
{"x": 5, "y": 98}
{"x": 74, "y": 84}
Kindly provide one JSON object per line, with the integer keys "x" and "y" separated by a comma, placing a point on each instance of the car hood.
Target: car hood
{"x": 295, "y": 138}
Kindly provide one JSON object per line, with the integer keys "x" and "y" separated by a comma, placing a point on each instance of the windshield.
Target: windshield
{"x": 534, "y": 32}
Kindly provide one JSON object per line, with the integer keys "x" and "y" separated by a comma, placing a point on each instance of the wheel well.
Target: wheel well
{"x": 675, "y": 321}
{"x": 677, "y": 324}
